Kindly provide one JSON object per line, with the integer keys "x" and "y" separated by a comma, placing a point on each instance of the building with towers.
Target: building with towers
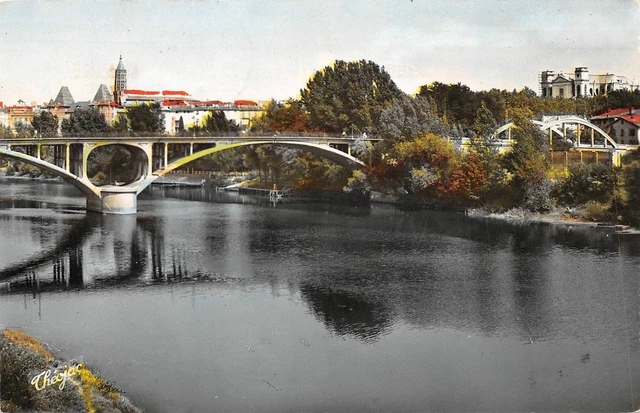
{"x": 581, "y": 83}
{"x": 178, "y": 106}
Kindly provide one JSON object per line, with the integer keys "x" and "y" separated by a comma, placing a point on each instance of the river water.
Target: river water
{"x": 239, "y": 306}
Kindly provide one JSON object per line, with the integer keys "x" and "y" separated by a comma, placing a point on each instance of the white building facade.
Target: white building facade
{"x": 581, "y": 83}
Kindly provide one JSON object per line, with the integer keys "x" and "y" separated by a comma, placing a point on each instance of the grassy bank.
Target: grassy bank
{"x": 34, "y": 380}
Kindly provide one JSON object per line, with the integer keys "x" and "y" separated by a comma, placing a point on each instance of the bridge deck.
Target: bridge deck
{"x": 180, "y": 139}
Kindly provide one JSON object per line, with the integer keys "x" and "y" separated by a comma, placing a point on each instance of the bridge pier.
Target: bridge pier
{"x": 114, "y": 201}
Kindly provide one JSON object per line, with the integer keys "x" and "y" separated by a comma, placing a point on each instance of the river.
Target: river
{"x": 238, "y": 306}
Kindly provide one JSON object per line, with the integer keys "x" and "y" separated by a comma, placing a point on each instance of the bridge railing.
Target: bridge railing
{"x": 241, "y": 134}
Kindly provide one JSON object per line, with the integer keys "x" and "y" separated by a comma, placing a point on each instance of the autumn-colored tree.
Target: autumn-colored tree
{"x": 420, "y": 164}
{"x": 462, "y": 186}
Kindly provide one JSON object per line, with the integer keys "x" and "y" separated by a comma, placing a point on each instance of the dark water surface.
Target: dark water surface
{"x": 196, "y": 306}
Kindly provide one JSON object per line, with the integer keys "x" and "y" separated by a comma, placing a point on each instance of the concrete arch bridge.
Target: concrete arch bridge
{"x": 583, "y": 136}
{"x": 152, "y": 157}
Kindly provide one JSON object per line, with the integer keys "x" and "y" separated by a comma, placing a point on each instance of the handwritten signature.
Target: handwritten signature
{"x": 49, "y": 378}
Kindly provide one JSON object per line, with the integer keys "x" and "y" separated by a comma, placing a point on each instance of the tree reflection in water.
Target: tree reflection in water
{"x": 347, "y": 314}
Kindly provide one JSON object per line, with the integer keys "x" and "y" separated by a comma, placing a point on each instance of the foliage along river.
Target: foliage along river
{"x": 194, "y": 306}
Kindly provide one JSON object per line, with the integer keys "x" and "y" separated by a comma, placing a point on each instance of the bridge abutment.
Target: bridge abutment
{"x": 114, "y": 201}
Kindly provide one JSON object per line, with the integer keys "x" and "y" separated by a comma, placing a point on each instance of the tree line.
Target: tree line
{"x": 419, "y": 158}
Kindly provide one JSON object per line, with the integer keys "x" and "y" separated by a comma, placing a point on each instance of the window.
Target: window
{"x": 621, "y": 132}
{"x": 632, "y": 132}
{"x": 561, "y": 92}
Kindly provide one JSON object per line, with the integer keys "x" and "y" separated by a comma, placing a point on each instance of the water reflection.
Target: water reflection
{"x": 278, "y": 289}
{"x": 347, "y": 314}
{"x": 427, "y": 269}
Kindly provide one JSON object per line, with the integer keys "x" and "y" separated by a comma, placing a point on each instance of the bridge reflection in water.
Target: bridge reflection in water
{"x": 117, "y": 252}
{"x": 428, "y": 311}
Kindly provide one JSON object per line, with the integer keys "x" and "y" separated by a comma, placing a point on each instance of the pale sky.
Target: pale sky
{"x": 240, "y": 49}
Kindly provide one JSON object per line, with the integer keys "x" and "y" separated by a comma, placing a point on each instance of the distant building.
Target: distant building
{"x": 104, "y": 103}
{"x": 60, "y": 105}
{"x": 240, "y": 111}
{"x": 20, "y": 113}
{"x": 581, "y": 83}
{"x": 132, "y": 97}
{"x": 623, "y": 125}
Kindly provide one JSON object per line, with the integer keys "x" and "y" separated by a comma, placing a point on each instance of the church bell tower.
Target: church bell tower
{"x": 119, "y": 82}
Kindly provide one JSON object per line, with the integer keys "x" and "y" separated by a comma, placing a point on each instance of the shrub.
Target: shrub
{"x": 537, "y": 196}
{"x": 585, "y": 183}
{"x": 597, "y": 212}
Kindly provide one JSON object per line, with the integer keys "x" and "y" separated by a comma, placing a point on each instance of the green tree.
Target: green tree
{"x": 496, "y": 101}
{"x": 407, "y": 118}
{"x": 320, "y": 174}
{"x": 85, "y": 122}
{"x": 5, "y": 132}
{"x": 485, "y": 123}
{"x": 628, "y": 198}
{"x": 456, "y": 103}
{"x": 180, "y": 128}
{"x": 23, "y": 129}
{"x": 482, "y": 144}
{"x": 215, "y": 122}
{"x": 146, "y": 119}
{"x": 348, "y": 94}
{"x": 120, "y": 125}
{"x": 279, "y": 117}
{"x": 45, "y": 125}
{"x": 528, "y": 166}
{"x": 586, "y": 183}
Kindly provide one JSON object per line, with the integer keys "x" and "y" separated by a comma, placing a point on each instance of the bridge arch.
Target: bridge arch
{"x": 327, "y": 151}
{"x": 580, "y": 121}
{"x": 554, "y": 125}
{"x": 82, "y": 184}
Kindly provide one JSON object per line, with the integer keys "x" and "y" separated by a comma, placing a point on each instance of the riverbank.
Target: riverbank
{"x": 27, "y": 177}
{"x": 558, "y": 216}
{"x": 33, "y": 379}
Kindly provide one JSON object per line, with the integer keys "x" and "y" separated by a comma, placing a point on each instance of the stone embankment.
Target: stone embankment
{"x": 34, "y": 380}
